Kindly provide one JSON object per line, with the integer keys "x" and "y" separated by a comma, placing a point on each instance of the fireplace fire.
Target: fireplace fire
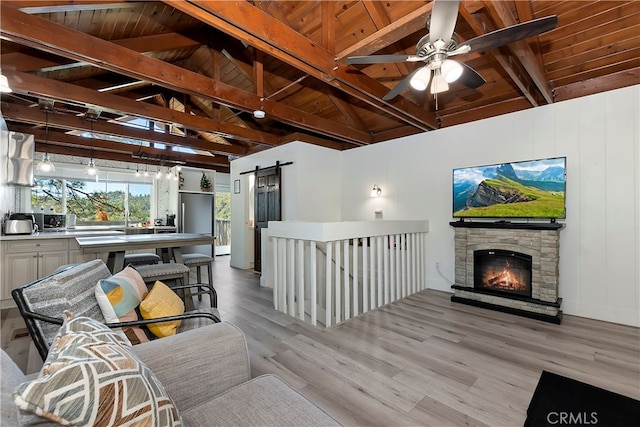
{"x": 502, "y": 272}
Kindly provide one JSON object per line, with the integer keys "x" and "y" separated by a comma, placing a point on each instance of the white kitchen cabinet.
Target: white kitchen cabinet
{"x": 24, "y": 261}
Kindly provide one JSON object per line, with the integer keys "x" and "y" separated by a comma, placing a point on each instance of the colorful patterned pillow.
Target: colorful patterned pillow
{"x": 89, "y": 381}
{"x": 118, "y": 297}
{"x": 160, "y": 302}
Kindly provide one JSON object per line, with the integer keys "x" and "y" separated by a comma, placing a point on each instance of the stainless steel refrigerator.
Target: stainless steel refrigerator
{"x": 197, "y": 215}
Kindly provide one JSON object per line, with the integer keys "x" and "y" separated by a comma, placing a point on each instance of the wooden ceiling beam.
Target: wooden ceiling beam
{"x": 36, "y": 32}
{"x": 153, "y": 43}
{"x": 598, "y": 84}
{"x": 52, "y": 6}
{"x": 391, "y": 33}
{"x": 503, "y": 17}
{"x": 328, "y": 25}
{"x": 41, "y": 87}
{"x": 381, "y": 19}
{"x": 347, "y": 111}
{"x": 71, "y": 122}
{"x": 148, "y": 155}
{"x": 485, "y": 111}
{"x": 480, "y": 25}
{"x": 303, "y": 137}
{"x": 395, "y": 133}
{"x": 246, "y": 22}
{"x": 66, "y": 150}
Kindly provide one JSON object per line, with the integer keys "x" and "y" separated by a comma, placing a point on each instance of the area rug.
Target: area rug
{"x": 562, "y": 401}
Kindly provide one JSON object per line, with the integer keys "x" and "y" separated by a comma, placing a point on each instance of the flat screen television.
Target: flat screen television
{"x": 528, "y": 189}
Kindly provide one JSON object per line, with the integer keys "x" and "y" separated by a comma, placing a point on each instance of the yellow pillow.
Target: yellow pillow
{"x": 162, "y": 301}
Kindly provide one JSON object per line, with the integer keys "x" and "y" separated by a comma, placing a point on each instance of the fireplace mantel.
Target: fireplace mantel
{"x": 508, "y": 225}
{"x": 541, "y": 241}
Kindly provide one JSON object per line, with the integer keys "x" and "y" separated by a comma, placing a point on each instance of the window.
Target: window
{"x": 93, "y": 203}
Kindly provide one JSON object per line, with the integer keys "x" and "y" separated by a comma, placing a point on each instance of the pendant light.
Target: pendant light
{"x": 46, "y": 165}
{"x": 91, "y": 169}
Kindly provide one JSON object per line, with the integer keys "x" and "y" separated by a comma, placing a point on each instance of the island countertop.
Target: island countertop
{"x": 66, "y": 234}
{"x": 88, "y": 231}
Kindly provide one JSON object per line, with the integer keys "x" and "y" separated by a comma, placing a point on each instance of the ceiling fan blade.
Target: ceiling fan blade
{"x": 380, "y": 59}
{"x": 400, "y": 86}
{"x": 511, "y": 34}
{"x": 443, "y": 20}
{"x": 470, "y": 77}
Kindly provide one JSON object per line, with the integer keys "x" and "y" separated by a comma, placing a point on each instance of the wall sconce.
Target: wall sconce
{"x": 376, "y": 191}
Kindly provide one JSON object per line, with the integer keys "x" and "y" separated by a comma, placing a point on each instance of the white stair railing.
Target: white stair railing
{"x": 325, "y": 273}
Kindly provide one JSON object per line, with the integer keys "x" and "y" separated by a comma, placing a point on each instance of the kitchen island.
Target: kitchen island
{"x": 118, "y": 245}
{"x": 26, "y": 258}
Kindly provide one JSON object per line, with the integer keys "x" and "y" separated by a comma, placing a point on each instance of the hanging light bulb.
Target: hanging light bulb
{"x": 168, "y": 173}
{"x": 146, "y": 170}
{"x": 91, "y": 169}
{"x": 159, "y": 173}
{"x": 420, "y": 80}
{"x": 137, "y": 170}
{"x": 46, "y": 165}
{"x": 451, "y": 70}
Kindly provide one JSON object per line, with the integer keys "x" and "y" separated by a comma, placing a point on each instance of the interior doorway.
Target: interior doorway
{"x": 267, "y": 207}
{"x": 223, "y": 223}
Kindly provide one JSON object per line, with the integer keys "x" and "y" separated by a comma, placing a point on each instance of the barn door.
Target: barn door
{"x": 267, "y": 207}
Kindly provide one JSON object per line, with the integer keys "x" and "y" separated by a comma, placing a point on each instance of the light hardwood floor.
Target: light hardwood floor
{"x": 425, "y": 360}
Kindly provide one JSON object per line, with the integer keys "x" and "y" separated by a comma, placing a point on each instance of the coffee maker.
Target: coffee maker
{"x": 171, "y": 220}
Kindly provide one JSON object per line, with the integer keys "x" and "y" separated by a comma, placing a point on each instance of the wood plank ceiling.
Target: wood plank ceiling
{"x": 189, "y": 74}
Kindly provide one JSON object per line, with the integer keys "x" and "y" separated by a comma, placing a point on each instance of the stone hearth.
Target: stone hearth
{"x": 541, "y": 241}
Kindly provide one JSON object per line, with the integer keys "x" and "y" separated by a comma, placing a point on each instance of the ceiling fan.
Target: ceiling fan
{"x": 435, "y": 48}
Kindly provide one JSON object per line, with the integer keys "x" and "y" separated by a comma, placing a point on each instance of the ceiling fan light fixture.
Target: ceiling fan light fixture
{"x": 438, "y": 84}
{"x": 4, "y": 84}
{"x": 451, "y": 70}
{"x": 420, "y": 80}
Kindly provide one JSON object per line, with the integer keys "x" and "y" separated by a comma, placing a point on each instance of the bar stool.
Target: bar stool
{"x": 198, "y": 261}
{"x": 141, "y": 259}
{"x": 167, "y": 272}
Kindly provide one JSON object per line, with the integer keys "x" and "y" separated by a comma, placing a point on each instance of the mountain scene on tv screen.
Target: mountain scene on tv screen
{"x": 511, "y": 190}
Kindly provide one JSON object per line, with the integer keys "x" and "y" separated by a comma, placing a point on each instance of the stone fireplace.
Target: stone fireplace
{"x": 511, "y": 267}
